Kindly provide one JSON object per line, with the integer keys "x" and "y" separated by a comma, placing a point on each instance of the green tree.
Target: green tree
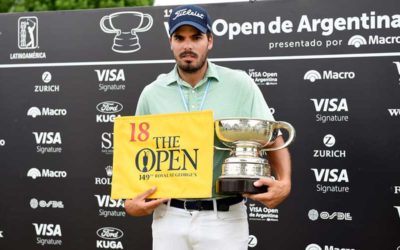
{"x": 43, "y": 5}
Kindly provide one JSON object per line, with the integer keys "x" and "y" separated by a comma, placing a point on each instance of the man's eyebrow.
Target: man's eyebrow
{"x": 176, "y": 35}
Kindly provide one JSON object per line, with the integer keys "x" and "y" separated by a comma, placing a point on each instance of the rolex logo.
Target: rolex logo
{"x": 109, "y": 170}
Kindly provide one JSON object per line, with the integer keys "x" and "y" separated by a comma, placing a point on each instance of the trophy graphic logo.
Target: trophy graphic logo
{"x": 125, "y": 25}
{"x": 247, "y": 140}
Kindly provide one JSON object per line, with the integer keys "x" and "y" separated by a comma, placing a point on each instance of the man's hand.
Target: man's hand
{"x": 138, "y": 206}
{"x": 277, "y": 192}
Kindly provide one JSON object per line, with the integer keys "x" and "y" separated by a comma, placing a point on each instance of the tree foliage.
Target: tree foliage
{"x": 43, "y": 5}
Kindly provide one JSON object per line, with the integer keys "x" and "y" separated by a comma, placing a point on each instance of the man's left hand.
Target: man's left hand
{"x": 277, "y": 192}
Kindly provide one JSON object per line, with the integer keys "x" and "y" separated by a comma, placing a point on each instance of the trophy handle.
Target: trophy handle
{"x": 148, "y": 26}
{"x": 225, "y": 149}
{"x": 287, "y": 126}
{"x": 105, "y": 28}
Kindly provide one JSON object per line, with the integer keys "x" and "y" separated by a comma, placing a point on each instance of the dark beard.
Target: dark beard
{"x": 189, "y": 68}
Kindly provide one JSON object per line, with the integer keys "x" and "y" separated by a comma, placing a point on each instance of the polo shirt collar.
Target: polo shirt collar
{"x": 211, "y": 73}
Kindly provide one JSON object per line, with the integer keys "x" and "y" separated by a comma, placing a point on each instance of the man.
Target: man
{"x": 197, "y": 84}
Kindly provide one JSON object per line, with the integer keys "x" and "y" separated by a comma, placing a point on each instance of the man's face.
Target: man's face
{"x": 190, "y": 48}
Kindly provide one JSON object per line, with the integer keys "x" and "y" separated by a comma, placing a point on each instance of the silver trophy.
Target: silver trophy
{"x": 247, "y": 140}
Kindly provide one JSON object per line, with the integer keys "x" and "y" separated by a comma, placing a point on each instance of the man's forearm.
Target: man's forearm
{"x": 280, "y": 162}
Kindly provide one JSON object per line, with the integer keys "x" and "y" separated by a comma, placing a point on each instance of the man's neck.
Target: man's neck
{"x": 193, "y": 78}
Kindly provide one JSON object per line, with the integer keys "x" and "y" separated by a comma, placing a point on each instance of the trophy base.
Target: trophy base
{"x": 238, "y": 186}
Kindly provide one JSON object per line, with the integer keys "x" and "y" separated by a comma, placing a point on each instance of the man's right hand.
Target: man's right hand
{"x": 138, "y": 206}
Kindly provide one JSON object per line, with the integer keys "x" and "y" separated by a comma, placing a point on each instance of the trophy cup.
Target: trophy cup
{"x": 247, "y": 140}
{"x": 125, "y": 24}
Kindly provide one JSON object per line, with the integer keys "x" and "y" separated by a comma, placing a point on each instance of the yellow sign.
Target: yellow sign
{"x": 171, "y": 151}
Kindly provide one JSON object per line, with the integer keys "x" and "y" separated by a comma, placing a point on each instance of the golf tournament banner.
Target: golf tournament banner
{"x": 330, "y": 68}
{"x": 171, "y": 151}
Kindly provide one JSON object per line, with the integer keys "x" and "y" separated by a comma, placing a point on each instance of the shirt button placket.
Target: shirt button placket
{"x": 192, "y": 100}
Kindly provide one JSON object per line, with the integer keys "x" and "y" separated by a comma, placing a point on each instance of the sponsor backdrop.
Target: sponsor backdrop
{"x": 332, "y": 69}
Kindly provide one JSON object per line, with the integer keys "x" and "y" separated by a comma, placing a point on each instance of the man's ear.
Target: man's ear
{"x": 210, "y": 38}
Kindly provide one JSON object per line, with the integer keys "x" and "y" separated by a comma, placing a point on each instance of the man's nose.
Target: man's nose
{"x": 188, "y": 45}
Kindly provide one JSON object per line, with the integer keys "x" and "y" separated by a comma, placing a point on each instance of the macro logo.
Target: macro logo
{"x": 46, "y": 111}
{"x": 314, "y": 215}
{"x": 314, "y": 246}
{"x": 325, "y": 107}
{"x": 357, "y": 41}
{"x": 252, "y": 241}
{"x": 34, "y": 112}
{"x": 35, "y": 203}
{"x": 34, "y": 173}
{"x": 28, "y": 30}
{"x": 109, "y": 109}
{"x": 110, "y": 79}
{"x": 313, "y": 75}
{"x": 109, "y": 238}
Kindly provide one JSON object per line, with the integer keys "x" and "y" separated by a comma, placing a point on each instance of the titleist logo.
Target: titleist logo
{"x": 188, "y": 12}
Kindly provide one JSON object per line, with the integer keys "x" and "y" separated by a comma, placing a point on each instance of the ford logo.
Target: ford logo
{"x": 109, "y": 233}
{"x": 109, "y": 107}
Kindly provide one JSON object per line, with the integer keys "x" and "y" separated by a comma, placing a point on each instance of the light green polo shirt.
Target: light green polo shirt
{"x": 231, "y": 93}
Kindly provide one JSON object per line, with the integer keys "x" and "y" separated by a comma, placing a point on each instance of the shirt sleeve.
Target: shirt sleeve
{"x": 142, "y": 107}
{"x": 259, "y": 107}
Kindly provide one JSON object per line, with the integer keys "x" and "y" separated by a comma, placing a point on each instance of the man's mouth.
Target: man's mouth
{"x": 188, "y": 55}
